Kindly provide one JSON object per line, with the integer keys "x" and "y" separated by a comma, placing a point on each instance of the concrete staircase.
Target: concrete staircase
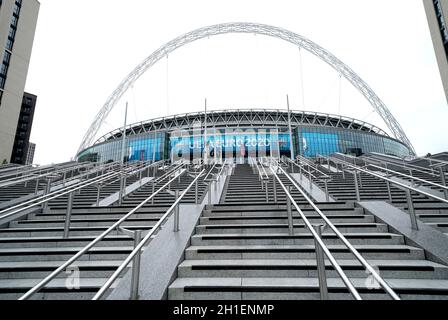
{"x": 32, "y": 248}
{"x": 242, "y": 249}
{"x": 430, "y": 211}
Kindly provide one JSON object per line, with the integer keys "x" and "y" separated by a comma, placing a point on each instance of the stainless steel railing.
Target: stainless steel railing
{"x": 316, "y": 233}
{"x": 393, "y": 161}
{"x": 136, "y": 253}
{"x": 18, "y": 180}
{"x": 312, "y": 177}
{"x": 412, "y": 178}
{"x": 407, "y": 189}
{"x": 319, "y": 173}
{"x": 70, "y": 190}
{"x": 87, "y": 248}
{"x": 7, "y": 213}
{"x": 263, "y": 176}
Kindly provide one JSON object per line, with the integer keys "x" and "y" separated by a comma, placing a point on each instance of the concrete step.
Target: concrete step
{"x": 81, "y": 223}
{"x": 279, "y": 228}
{"x": 237, "y": 207}
{"x": 300, "y": 239}
{"x": 48, "y": 242}
{"x": 12, "y": 289}
{"x": 279, "y": 212}
{"x": 300, "y": 252}
{"x": 41, "y": 269}
{"x": 299, "y": 289}
{"x": 59, "y": 231}
{"x": 58, "y": 254}
{"x": 282, "y": 219}
{"x": 91, "y": 216}
{"x": 269, "y": 268}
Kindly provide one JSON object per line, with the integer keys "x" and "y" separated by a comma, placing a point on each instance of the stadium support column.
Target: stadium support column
{"x": 123, "y": 144}
{"x": 205, "y": 135}
{"x": 291, "y": 142}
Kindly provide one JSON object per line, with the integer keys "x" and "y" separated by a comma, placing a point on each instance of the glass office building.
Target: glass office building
{"x": 240, "y": 134}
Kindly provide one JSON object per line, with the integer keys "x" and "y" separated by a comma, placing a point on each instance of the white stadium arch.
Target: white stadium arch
{"x": 255, "y": 28}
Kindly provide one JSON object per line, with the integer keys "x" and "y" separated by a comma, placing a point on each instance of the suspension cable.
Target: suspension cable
{"x": 301, "y": 78}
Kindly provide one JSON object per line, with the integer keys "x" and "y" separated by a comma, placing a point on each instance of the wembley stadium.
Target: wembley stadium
{"x": 235, "y": 134}
{"x": 236, "y": 204}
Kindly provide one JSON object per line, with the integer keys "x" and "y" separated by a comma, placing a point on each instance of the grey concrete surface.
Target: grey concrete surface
{"x": 316, "y": 192}
{"x": 129, "y": 189}
{"x": 161, "y": 258}
{"x": 434, "y": 242}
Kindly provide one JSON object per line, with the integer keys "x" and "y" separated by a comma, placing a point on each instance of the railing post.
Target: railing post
{"x": 292, "y": 167}
{"x": 289, "y": 210}
{"x": 266, "y": 191}
{"x": 360, "y": 179}
{"x": 37, "y": 187}
{"x": 153, "y": 190}
{"x": 358, "y": 195}
{"x": 443, "y": 179}
{"x": 120, "y": 194}
{"x": 196, "y": 191}
{"x": 176, "y": 213}
{"x": 411, "y": 209}
{"x": 412, "y": 177}
{"x": 68, "y": 215}
{"x": 136, "y": 267}
{"x": 389, "y": 192}
{"x": 209, "y": 193}
{"x": 327, "y": 195}
{"x": 98, "y": 195}
{"x": 47, "y": 191}
{"x": 275, "y": 190}
{"x": 320, "y": 260}
{"x": 309, "y": 177}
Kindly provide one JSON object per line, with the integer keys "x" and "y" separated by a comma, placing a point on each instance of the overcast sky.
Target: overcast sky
{"x": 84, "y": 48}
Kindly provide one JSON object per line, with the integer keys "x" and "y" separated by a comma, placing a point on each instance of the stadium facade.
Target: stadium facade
{"x": 239, "y": 134}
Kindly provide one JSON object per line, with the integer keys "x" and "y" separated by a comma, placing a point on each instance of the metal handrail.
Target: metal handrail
{"x": 140, "y": 170}
{"x": 333, "y": 261}
{"x": 408, "y": 167}
{"x": 54, "y": 195}
{"x": 430, "y": 160}
{"x": 409, "y": 176}
{"x": 167, "y": 174}
{"x": 39, "y": 170}
{"x": 210, "y": 172}
{"x": 59, "y": 193}
{"x": 114, "y": 227}
{"x": 406, "y": 188}
{"x": 319, "y": 241}
{"x": 23, "y": 179}
{"x": 77, "y": 186}
{"x": 401, "y": 185}
{"x": 309, "y": 163}
{"x": 143, "y": 242}
{"x": 309, "y": 172}
{"x": 403, "y": 164}
{"x": 262, "y": 174}
{"x": 219, "y": 173}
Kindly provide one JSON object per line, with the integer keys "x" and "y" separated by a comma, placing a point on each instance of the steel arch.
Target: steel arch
{"x": 245, "y": 27}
